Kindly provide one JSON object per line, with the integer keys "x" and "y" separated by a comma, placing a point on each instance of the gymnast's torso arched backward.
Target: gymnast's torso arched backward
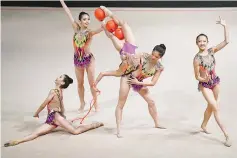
{"x": 55, "y": 106}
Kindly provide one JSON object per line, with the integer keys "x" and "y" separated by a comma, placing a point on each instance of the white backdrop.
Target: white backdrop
{"x": 36, "y": 47}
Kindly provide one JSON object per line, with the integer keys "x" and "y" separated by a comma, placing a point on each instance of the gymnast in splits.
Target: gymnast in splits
{"x": 134, "y": 68}
{"x": 56, "y": 117}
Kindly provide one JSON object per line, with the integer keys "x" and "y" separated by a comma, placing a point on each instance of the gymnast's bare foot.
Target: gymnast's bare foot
{"x": 81, "y": 109}
{"x": 11, "y": 143}
{"x": 97, "y": 124}
{"x": 96, "y": 106}
{"x": 107, "y": 11}
{"x": 119, "y": 135}
{"x": 227, "y": 142}
{"x": 205, "y": 130}
{"x": 160, "y": 127}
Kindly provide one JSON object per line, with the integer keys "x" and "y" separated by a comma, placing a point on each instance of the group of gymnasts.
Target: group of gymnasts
{"x": 133, "y": 69}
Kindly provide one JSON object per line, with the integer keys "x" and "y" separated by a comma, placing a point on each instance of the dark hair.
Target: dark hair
{"x": 202, "y": 34}
{"x": 67, "y": 81}
{"x": 161, "y": 49}
{"x": 81, "y": 14}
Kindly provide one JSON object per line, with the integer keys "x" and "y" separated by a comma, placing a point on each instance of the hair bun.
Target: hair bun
{"x": 163, "y": 46}
{"x": 70, "y": 80}
{"x": 81, "y": 13}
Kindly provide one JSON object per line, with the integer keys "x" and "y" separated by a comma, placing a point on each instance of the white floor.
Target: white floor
{"x": 37, "y": 47}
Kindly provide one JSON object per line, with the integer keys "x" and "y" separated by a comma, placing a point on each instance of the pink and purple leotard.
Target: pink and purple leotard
{"x": 81, "y": 40}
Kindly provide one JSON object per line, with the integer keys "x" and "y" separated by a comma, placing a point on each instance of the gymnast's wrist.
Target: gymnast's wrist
{"x": 139, "y": 83}
{"x": 36, "y": 114}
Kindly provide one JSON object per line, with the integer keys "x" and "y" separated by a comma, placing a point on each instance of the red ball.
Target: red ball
{"x": 111, "y": 26}
{"x": 99, "y": 14}
{"x": 119, "y": 33}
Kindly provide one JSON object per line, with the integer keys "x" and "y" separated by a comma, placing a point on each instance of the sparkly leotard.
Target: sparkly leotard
{"x": 145, "y": 72}
{"x": 54, "y": 106}
{"x": 207, "y": 64}
{"x": 129, "y": 58}
{"x": 81, "y": 40}
{"x": 141, "y": 66}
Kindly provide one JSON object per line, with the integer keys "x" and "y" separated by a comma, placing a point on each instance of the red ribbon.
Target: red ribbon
{"x": 91, "y": 106}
